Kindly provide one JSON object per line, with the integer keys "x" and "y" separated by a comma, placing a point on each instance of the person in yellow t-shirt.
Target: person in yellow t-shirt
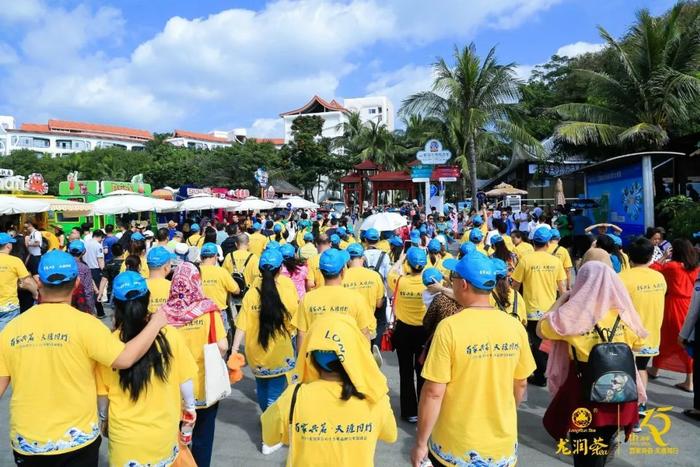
{"x": 461, "y": 422}
{"x": 409, "y": 333}
{"x": 55, "y": 342}
{"x": 137, "y": 247}
{"x": 332, "y": 297}
{"x": 265, "y": 325}
{"x": 315, "y": 277}
{"x": 521, "y": 247}
{"x": 340, "y": 409}
{"x": 364, "y": 280}
{"x": 159, "y": 265}
{"x": 196, "y": 318}
{"x": 563, "y": 254}
{"x": 257, "y": 241}
{"x": 647, "y": 289}
{"x": 217, "y": 283}
{"x": 476, "y": 236}
{"x": 309, "y": 250}
{"x": 504, "y": 297}
{"x": 437, "y": 255}
{"x": 195, "y": 238}
{"x": 542, "y": 275}
{"x": 13, "y": 272}
{"x": 479, "y": 222}
{"x": 242, "y": 261}
{"x": 142, "y": 405}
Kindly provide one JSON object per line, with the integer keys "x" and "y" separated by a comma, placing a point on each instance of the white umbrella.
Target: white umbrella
{"x": 15, "y": 205}
{"x": 296, "y": 202}
{"x": 166, "y": 205}
{"x": 252, "y": 203}
{"x": 123, "y": 202}
{"x": 384, "y": 221}
{"x": 200, "y": 202}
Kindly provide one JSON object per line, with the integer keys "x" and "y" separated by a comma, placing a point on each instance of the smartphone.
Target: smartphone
{"x": 406, "y": 245}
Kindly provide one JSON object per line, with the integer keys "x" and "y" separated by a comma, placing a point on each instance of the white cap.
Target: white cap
{"x": 181, "y": 248}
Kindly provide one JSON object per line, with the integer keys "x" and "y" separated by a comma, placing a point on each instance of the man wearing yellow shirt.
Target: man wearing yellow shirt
{"x": 53, "y": 342}
{"x": 461, "y": 421}
{"x": 520, "y": 246}
{"x": 12, "y": 272}
{"x": 195, "y": 239}
{"x": 315, "y": 278}
{"x": 242, "y": 261}
{"x": 332, "y": 297}
{"x": 158, "y": 260}
{"x": 478, "y": 223}
{"x": 217, "y": 283}
{"x": 563, "y": 254}
{"x": 309, "y": 249}
{"x": 542, "y": 275}
{"x": 257, "y": 241}
{"x": 647, "y": 289}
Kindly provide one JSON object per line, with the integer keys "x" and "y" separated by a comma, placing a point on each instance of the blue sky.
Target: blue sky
{"x": 204, "y": 65}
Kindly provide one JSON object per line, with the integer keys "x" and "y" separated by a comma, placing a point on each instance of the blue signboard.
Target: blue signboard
{"x": 421, "y": 171}
{"x": 620, "y": 196}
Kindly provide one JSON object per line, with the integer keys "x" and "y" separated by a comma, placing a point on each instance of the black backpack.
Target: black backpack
{"x": 44, "y": 245}
{"x": 377, "y": 266}
{"x": 501, "y": 306}
{"x": 610, "y": 375}
{"x": 237, "y": 275}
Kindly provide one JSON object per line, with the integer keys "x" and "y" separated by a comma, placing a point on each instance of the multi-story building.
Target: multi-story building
{"x": 211, "y": 140}
{"x": 377, "y": 109}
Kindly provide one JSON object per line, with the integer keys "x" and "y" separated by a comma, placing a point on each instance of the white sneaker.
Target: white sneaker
{"x": 377, "y": 356}
{"x": 270, "y": 449}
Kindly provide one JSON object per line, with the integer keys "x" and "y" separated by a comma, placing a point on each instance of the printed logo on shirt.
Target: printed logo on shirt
{"x": 581, "y": 417}
{"x": 321, "y": 431}
{"x": 50, "y": 339}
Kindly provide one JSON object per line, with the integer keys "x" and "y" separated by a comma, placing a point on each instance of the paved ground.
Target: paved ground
{"x": 237, "y": 441}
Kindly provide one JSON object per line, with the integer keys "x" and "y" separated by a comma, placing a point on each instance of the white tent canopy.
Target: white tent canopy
{"x": 296, "y": 202}
{"x": 15, "y": 205}
{"x": 384, "y": 221}
{"x": 200, "y": 202}
{"x": 123, "y": 202}
{"x": 252, "y": 203}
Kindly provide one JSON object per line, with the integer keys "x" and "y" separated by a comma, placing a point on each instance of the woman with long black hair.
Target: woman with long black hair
{"x": 264, "y": 322}
{"x": 607, "y": 243}
{"x": 142, "y": 407}
{"x": 295, "y": 268}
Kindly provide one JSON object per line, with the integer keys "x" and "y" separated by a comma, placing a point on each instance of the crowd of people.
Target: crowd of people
{"x": 128, "y": 323}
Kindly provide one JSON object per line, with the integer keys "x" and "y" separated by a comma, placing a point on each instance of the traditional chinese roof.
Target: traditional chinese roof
{"x": 387, "y": 176}
{"x": 199, "y": 136}
{"x": 317, "y": 105}
{"x": 351, "y": 178}
{"x": 284, "y": 187}
{"x": 366, "y": 165}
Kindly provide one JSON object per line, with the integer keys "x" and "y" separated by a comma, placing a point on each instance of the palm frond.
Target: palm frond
{"x": 582, "y": 133}
{"x": 644, "y": 133}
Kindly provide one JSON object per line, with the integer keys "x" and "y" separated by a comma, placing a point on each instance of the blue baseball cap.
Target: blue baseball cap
{"x": 372, "y": 235}
{"x": 476, "y": 269}
{"x": 308, "y": 237}
{"x": 333, "y": 261}
{"x": 415, "y": 236}
{"x": 342, "y": 231}
{"x": 324, "y": 358}
{"x": 616, "y": 239}
{"x": 466, "y": 248}
{"x": 287, "y": 251}
{"x": 431, "y": 276}
{"x": 194, "y": 227}
{"x": 555, "y": 234}
{"x": 500, "y": 267}
{"x": 355, "y": 250}
{"x": 416, "y": 257}
{"x": 270, "y": 259}
{"x": 477, "y": 220}
{"x": 129, "y": 285}
{"x": 434, "y": 245}
{"x": 5, "y": 239}
{"x": 396, "y": 241}
{"x": 542, "y": 235}
{"x": 496, "y": 239}
{"x": 57, "y": 267}
{"x": 76, "y": 247}
{"x": 476, "y": 235}
{"x": 208, "y": 250}
{"x": 277, "y": 228}
{"x": 158, "y": 256}
{"x": 257, "y": 226}
{"x": 137, "y": 237}
{"x": 335, "y": 239}
{"x": 272, "y": 245}
{"x": 423, "y": 230}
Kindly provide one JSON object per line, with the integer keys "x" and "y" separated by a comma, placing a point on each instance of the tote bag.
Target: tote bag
{"x": 216, "y": 382}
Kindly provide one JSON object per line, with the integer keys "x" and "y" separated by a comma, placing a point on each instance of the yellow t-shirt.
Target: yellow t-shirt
{"x": 439, "y": 259}
{"x": 12, "y": 269}
{"x": 510, "y": 309}
{"x": 308, "y": 251}
{"x": 250, "y": 269}
{"x": 333, "y": 299}
{"x": 196, "y": 335}
{"x": 368, "y": 283}
{"x": 509, "y": 242}
{"x": 585, "y": 342}
{"x": 299, "y": 237}
{"x": 49, "y": 352}
{"x": 326, "y": 429}
{"x": 409, "y": 307}
{"x": 477, "y": 353}
{"x": 144, "y": 271}
{"x": 561, "y": 253}
{"x": 539, "y": 273}
{"x": 465, "y": 237}
{"x": 195, "y": 240}
{"x": 343, "y": 244}
{"x": 217, "y": 283}
{"x": 522, "y": 249}
{"x": 51, "y": 239}
{"x": 160, "y": 291}
{"x": 145, "y": 432}
{"x": 257, "y": 243}
{"x": 384, "y": 245}
{"x": 315, "y": 271}
{"x": 626, "y": 263}
{"x": 278, "y": 359}
{"x": 647, "y": 288}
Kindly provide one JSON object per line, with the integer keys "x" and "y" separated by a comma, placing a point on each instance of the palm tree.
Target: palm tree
{"x": 656, "y": 89}
{"x": 476, "y": 102}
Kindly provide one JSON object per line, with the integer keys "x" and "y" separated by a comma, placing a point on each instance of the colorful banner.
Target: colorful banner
{"x": 620, "y": 196}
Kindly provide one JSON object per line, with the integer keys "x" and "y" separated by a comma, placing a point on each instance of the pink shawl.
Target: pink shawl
{"x": 597, "y": 290}
{"x": 186, "y": 301}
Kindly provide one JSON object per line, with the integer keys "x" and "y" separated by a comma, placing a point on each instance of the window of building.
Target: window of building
{"x": 41, "y": 142}
{"x": 137, "y": 148}
{"x": 81, "y": 145}
{"x": 64, "y": 144}
{"x": 372, "y": 111}
{"x": 22, "y": 141}
{"x": 379, "y": 109}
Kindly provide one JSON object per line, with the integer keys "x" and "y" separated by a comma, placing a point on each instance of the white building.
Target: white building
{"x": 62, "y": 137}
{"x": 211, "y": 140}
{"x": 378, "y": 109}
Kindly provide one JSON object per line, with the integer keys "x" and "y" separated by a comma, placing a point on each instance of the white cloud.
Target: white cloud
{"x": 523, "y": 72}
{"x": 8, "y": 56}
{"x": 399, "y": 84}
{"x": 578, "y": 48}
{"x": 267, "y": 128}
{"x": 20, "y": 10}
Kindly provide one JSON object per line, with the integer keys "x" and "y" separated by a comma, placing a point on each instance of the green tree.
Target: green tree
{"x": 655, "y": 91}
{"x": 476, "y": 101}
